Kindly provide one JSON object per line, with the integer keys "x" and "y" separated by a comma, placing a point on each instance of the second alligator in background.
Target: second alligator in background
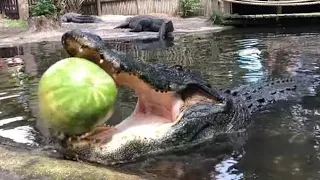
{"x": 78, "y": 18}
{"x": 149, "y": 23}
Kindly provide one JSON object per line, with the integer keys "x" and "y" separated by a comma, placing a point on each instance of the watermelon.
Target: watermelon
{"x": 75, "y": 95}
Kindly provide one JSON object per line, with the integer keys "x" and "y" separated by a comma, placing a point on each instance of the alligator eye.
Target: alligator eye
{"x": 178, "y": 67}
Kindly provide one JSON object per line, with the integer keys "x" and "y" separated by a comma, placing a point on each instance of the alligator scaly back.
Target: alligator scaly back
{"x": 258, "y": 95}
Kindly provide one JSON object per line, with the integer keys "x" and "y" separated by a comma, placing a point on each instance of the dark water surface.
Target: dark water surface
{"x": 283, "y": 142}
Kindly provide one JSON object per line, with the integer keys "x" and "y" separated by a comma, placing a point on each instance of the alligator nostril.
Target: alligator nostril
{"x": 234, "y": 93}
{"x": 262, "y": 100}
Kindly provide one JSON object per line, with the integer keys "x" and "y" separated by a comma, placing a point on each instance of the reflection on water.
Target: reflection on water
{"x": 283, "y": 143}
{"x": 225, "y": 170}
{"x": 250, "y": 59}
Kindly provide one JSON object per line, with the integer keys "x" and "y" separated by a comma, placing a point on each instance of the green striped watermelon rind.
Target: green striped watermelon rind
{"x": 76, "y": 95}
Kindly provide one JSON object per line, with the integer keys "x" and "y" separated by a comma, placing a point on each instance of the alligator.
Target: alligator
{"x": 145, "y": 45}
{"x": 149, "y": 23}
{"x": 176, "y": 108}
{"x": 78, "y": 18}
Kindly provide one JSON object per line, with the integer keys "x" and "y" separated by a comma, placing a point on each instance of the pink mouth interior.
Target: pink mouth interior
{"x": 153, "y": 109}
{"x": 154, "y": 112}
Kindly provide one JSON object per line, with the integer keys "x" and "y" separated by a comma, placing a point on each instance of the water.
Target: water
{"x": 283, "y": 142}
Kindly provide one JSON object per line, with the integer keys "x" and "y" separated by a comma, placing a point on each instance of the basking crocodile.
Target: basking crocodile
{"x": 176, "y": 108}
{"x": 149, "y": 23}
{"x": 78, "y": 18}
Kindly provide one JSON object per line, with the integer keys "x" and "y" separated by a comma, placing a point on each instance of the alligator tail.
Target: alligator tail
{"x": 165, "y": 30}
{"x": 123, "y": 25}
{"x": 85, "y": 19}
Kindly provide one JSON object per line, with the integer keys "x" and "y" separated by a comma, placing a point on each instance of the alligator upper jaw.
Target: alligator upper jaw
{"x": 155, "y": 110}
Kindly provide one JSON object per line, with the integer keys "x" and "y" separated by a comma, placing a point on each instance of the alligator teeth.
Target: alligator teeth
{"x": 96, "y": 140}
{"x": 78, "y": 138}
{"x": 69, "y": 140}
{"x": 86, "y": 134}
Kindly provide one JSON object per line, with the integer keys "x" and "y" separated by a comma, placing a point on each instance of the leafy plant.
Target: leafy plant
{"x": 189, "y": 7}
{"x": 217, "y": 18}
{"x": 43, "y": 7}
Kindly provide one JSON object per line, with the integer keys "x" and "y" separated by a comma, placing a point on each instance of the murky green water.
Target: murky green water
{"x": 283, "y": 142}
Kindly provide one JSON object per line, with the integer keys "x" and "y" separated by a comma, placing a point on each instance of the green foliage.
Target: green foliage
{"x": 189, "y": 7}
{"x": 43, "y": 7}
{"x": 217, "y": 18}
{"x": 10, "y": 23}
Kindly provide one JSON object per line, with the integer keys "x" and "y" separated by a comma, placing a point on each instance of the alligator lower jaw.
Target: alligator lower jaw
{"x": 155, "y": 113}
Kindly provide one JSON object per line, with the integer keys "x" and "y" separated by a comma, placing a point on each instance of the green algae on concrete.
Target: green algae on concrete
{"x": 23, "y": 165}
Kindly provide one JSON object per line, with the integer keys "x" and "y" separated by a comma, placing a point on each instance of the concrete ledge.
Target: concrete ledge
{"x": 17, "y": 165}
{"x": 106, "y": 30}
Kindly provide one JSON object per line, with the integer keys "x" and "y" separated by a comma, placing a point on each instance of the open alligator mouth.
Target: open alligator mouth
{"x": 162, "y": 98}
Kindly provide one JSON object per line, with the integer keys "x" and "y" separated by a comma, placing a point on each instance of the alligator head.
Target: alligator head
{"x": 175, "y": 107}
